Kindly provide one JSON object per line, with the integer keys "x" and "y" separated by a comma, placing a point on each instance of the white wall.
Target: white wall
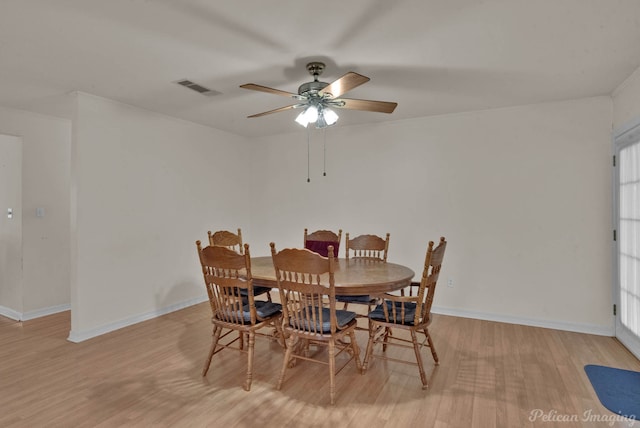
{"x": 144, "y": 188}
{"x": 45, "y": 183}
{"x": 626, "y": 103}
{"x": 523, "y": 196}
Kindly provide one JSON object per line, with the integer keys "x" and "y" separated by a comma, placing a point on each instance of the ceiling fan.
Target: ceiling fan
{"x": 317, "y": 98}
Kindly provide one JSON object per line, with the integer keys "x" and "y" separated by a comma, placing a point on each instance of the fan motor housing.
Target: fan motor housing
{"x": 311, "y": 87}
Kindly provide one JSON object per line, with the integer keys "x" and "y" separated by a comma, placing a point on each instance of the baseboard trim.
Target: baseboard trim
{"x": 10, "y": 313}
{"x": 80, "y": 336}
{"x": 30, "y": 315}
{"x": 556, "y": 325}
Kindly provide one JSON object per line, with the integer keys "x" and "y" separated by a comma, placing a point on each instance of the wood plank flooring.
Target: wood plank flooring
{"x": 491, "y": 375}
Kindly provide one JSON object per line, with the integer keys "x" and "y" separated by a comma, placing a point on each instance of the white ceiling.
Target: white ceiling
{"x": 431, "y": 56}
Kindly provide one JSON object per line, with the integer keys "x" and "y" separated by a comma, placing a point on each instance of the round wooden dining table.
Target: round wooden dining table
{"x": 352, "y": 277}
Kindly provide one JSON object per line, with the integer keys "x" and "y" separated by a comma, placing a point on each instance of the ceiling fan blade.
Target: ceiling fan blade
{"x": 344, "y": 84}
{"x": 275, "y": 110}
{"x": 268, "y": 90}
{"x": 367, "y": 105}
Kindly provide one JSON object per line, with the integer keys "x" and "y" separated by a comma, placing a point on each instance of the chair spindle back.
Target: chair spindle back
{"x": 369, "y": 247}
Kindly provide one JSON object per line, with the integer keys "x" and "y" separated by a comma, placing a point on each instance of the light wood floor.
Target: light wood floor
{"x": 491, "y": 375}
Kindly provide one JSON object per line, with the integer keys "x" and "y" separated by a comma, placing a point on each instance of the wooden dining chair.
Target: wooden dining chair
{"x": 367, "y": 248}
{"x": 306, "y": 281}
{"x": 233, "y": 241}
{"x": 410, "y": 313}
{"x": 227, "y": 277}
{"x": 319, "y": 241}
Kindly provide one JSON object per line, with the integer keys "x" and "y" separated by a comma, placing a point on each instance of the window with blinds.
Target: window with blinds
{"x": 629, "y": 237}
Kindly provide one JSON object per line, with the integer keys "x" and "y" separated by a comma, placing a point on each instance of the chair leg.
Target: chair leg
{"x": 387, "y": 333}
{"x": 369, "y": 309}
{"x": 416, "y": 348}
{"x": 252, "y": 342}
{"x": 241, "y": 340}
{"x": 214, "y": 343}
{"x": 332, "y": 370}
{"x": 279, "y": 333}
{"x": 287, "y": 356}
{"x": 356, "y": 350}
{"x": 367, "y": 355}
{"x": 306, "y": 348}
{"x": 433, "y": 350}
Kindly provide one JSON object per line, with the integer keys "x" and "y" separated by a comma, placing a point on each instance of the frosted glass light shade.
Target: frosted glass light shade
{"x": 311, "y": 114}
{"x": 302, "y": 119}
{"x": 330, "y": 116}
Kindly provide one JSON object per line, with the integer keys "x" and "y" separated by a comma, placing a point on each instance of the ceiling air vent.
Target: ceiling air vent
{"x": 198, "y": 88}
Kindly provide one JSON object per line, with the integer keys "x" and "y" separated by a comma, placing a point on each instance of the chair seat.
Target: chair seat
{"x": 409, "y": 313}
{"x": 342, "y": 318}
{"x": 263, "y": 310}
{"x": 355, "y": 299}
{"x": 257, "y": 290}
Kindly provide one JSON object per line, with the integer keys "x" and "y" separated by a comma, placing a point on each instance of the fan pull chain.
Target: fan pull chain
{"x": 324, "y": 149}
{"x": 308, "y": 138}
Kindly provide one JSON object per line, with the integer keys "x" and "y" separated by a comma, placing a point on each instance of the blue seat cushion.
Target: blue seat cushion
{"x": 256, "y": 291}
{"x": 409, "y": 313}
{"x": 342, "y": 317}
{"x": 354, "y": 299}
{"x": 263, "y": 309}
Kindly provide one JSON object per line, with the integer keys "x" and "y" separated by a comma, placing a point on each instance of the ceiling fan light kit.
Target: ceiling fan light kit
{"x": 320, "y": 115}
